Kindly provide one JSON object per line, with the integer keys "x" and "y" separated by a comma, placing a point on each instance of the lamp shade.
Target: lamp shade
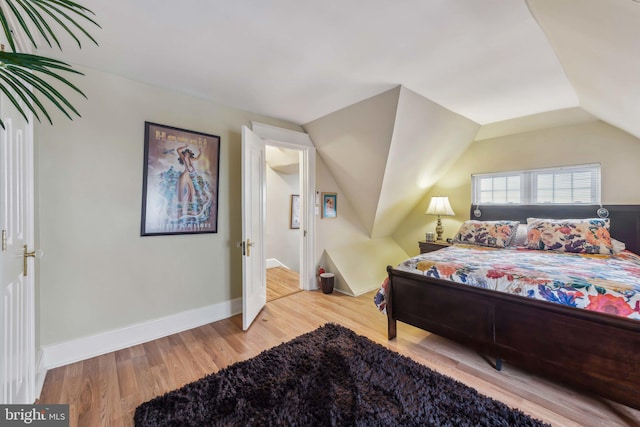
{"x": 439, "y": 206}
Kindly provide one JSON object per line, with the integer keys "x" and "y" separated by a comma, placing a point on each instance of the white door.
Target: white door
{"x": 254, "y": 286}
{"x": 17, "y": 318}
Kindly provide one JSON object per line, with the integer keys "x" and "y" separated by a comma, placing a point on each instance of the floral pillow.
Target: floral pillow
{"x": 590, "y": 235}
{"x": 496, "y": 234}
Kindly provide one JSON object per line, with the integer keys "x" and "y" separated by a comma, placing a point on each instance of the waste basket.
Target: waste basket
{"x": 326, "y": 282}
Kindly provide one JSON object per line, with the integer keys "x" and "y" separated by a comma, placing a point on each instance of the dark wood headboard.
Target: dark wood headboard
{"x": 625, "y": 219}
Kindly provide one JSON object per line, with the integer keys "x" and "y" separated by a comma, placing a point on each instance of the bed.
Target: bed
{"x": 576, "y": 344}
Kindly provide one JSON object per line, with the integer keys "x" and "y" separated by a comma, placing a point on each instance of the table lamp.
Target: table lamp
{"x": 439, "y": 206}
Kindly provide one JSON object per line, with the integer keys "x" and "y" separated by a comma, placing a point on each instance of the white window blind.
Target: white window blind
{"x": 563, "y": 185}
{"x": 499, "y": 189}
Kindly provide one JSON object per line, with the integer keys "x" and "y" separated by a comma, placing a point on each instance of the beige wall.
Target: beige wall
{"x": 282, "y": 242}
{"x": 97, "y": 273}
{"x": 343, "y": 230}
{"x": 617, "y": 151}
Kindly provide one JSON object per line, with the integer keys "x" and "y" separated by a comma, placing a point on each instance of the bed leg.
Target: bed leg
{"x": 498, "y": 364}
{"x": 391, "y": 328}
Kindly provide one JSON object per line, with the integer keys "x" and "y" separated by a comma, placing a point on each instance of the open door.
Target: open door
{"x": 254, "y": 286}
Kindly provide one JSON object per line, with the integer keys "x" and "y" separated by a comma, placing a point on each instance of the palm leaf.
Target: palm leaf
{"x": 8, "y": 80}
{"x": 25, "y": 95}
{"x": 50, "y": 9}
{"x": 42, "y": 25}
{"x": 58, "y": 10}
{"x": 19, "y": 72}
{"x": 23, "y": 25}
{"x": 47, "y": 90}
{"x": 30, "y": 61}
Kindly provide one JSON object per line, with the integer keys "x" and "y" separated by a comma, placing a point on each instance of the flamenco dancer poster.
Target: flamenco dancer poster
{"x": 180, "y": 182}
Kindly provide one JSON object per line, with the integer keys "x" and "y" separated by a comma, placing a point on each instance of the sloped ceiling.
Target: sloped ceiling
{"x": 486, "y": 60}
{"x": 598, "y": 44}
{"x": 509, "y": 65}
{"x": 386, "y": 151}
{"x": 283, "y": 160}
{"x": 354, "y": 143}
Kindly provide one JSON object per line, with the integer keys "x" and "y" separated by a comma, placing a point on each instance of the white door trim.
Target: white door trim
{"x": 301, "y": 141}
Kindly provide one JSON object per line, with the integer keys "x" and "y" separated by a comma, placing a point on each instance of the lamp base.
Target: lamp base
{"x": 439, "y": 230}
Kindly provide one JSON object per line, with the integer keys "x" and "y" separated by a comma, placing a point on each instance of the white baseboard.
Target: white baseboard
{"x": 362, "y": 292}
{"x": 61, "y": 354}
{"x": 273, "y": 263}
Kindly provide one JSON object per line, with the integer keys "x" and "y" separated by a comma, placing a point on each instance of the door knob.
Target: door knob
{"x": 26, "y": 254}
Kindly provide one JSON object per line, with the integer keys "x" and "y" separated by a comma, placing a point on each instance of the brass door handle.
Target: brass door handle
{"x": 249, "y": 244}
{"x": 26, "y": 254}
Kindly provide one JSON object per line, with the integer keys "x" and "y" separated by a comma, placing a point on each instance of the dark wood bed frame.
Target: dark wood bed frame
{"x": 592, "y": 351}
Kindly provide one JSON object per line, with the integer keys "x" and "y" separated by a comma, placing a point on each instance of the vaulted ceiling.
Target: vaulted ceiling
{"x": 485, "y": 64}
{"x": 487, "y": 60}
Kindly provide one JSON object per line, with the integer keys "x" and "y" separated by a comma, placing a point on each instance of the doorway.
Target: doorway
{"x": 282, "y": 228}
{"x": 254, "y": 142}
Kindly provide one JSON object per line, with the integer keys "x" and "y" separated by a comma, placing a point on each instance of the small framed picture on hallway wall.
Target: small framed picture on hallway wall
{"x": 294, "y": 217}
{"x": 329, "y": 205}
{"x": 180, "y": 181}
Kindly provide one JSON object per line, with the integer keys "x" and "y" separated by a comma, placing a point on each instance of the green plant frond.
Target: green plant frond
{"x": 21, "y": 75}
{"x": 76, "y": 8}
{"x": 64, "y": 26}
{"x": 42, "y": 25}
{"x": 49, "y": 7}
{"x": 47, "y": 90}
{"x": 47, "y": 70}
{"x": 23, "y": 24}
{"x": 30, "y": 61}
{"x": 38, "y": 10}
{"x": 19, "y": 66}
{"x": 24, "y": 93}
{"x": 57, "y": 77}
{"x": 7, "y": 31}
{"x": 20, "y": 91}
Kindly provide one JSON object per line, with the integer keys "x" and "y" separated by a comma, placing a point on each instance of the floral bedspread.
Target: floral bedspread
{"x": 609, "y": 284}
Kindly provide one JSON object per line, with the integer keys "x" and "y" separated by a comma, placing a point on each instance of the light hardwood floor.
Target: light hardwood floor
{"x": 105, "y": 390}
{"x": 281, "y": 282}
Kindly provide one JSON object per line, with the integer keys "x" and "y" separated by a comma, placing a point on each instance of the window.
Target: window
{"x": 564, "y": 185}
{"x": 499, "y": 189}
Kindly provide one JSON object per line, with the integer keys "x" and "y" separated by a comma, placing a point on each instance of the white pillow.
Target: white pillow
{"x": 521, "y": 236}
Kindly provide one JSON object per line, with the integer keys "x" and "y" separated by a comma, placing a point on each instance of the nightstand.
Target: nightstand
{"x": 431, "y": 246}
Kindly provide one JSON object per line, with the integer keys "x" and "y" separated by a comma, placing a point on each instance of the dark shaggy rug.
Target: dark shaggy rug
{"x": 328, "y": 377}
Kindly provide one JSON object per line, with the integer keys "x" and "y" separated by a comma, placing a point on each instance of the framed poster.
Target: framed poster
{"x": 329, "y": 205}
{"x": 294, "y": 217}
{"x": 180, "y": 181}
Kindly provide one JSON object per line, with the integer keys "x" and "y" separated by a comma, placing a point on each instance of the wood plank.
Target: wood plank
{"x": 108, "y": 389}
{"x": 123, "y": 380}
{"x": 281, "y": 282}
